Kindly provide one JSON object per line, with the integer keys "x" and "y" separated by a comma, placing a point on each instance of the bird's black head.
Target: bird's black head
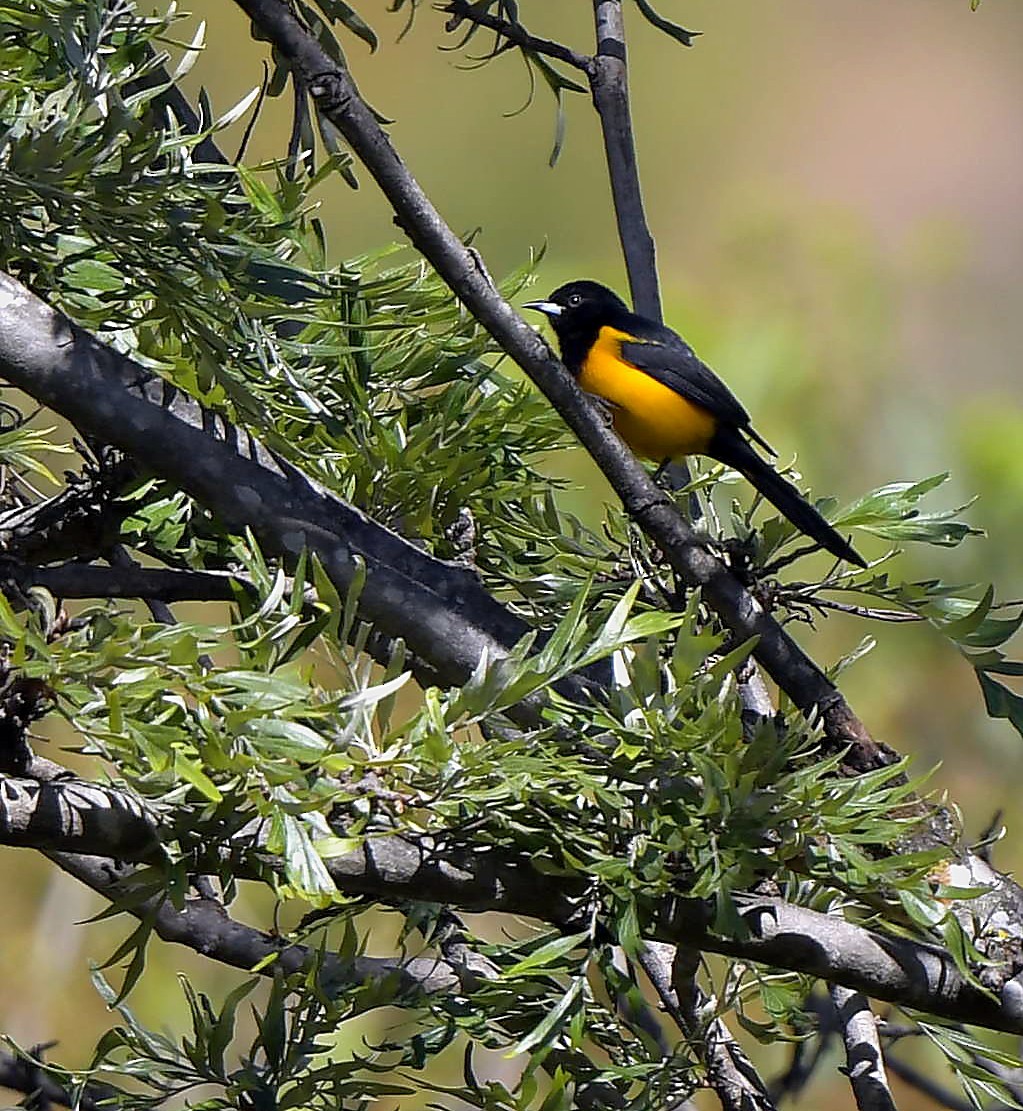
{"x": 577, "y": 311}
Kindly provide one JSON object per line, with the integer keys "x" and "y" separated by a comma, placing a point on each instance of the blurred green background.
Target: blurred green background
{"x": 835, "y": 192}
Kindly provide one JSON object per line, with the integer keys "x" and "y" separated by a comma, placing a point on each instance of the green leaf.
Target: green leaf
{"x": 680, "y": 34}
{"x": 925, "y": 911}
{"x": 960, "y": 628}
{"x": 544, "y": 1034}
{"x": 547, "y": 954}
{"x": 191, "y": 771}
{"x": 338, "y": 10}
{"x": 237, "y": 111}
{"x": 304, "y": 867}
{"x": 891, "y": 512}
{"x": 223, "y": 1030}
{"x": 1001, "y": 702}
{"x": 290, "y": 739}
{"x": 94, "y": 274}
{"x": 558, "y": 83}
{"x": 191, "y": 54}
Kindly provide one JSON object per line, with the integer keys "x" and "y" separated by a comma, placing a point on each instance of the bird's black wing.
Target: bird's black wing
{"x": 667, "y": 358}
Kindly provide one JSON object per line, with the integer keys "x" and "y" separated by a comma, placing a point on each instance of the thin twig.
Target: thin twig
{"x": 462, "y": 11}
{"x": 806, "y": 1056}
{"x": 730, "y": 1073}
{"x": 19, "y": 1075}
{"x": 893, "y": 616}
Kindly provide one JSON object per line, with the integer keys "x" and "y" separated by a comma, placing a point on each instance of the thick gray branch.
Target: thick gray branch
{"x": 76, "y": 817}
{"x": 205, "y": 926}
{"x": 460, "y": 874}
{"x": 440, "y": 609}
{"x": 897, "y": 970}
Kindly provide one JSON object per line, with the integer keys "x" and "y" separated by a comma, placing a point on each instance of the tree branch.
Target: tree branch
{"x": 452, "y": 871}
{"x": 514, "y": 33}
{"x": 204, "y": 925}
{"x": 20, "y": 1075}
{"x": 730, "y": 1073}
{"x": 83, "y": 520}
{"x": 609, "y": 85}
{"x": 780, "y": 656}
{"x": 864, "y": 1060}
{"x": 440, "y": 609}
{"x": 76, "y": 817}
{"x": 89, "y": 580}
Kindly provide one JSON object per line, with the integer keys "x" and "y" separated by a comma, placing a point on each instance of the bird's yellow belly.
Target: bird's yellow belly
{"x": 650, "y": 417}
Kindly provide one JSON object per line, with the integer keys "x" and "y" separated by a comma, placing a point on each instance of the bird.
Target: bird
{"x": 665, "y": 401}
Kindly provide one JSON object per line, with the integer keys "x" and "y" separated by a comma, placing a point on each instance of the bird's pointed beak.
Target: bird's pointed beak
{"x": 548, "y": 308}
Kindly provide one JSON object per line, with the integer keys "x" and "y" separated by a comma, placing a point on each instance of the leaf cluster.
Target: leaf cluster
{"x": 265, "y": 738}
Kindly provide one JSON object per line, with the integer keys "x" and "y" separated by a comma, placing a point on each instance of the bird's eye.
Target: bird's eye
{"x": 574, "y": 300}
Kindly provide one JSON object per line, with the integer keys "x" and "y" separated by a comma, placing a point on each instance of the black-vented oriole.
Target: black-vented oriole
{"x": 666, "y": 402}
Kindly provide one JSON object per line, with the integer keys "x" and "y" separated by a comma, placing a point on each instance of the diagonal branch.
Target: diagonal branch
{"x": 864, "y": 1059}
{"x": 730, "y": 1073}
{"x": 338, "y": 98}
{"x": 514, "y": 33}
{"x": 441, "y": 610}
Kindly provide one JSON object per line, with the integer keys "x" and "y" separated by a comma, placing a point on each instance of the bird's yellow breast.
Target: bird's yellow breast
{"x": 650, "y": 417}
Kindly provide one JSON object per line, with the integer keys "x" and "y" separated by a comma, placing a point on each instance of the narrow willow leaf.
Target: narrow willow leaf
{"x": 680, "y": 34}
{"x": 1001, "y": 702}
{"x": 304, "y": 866}
{"x": 191, "y": 54}
{"x": 370, "y": 696}
{"x": 963, "y": 626}
{"x": 558, "y": 83}
{"x": 290, "y": 739}
{"x": 237, "y": 111}
{"x": 544, "y": 1034}
{"x": 337, "y": 9}
{"x": 547, "y": 954}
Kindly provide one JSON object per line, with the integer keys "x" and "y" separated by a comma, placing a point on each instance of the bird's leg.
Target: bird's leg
{"x": 604, "y": 407}
{"x": 662, "y": 470}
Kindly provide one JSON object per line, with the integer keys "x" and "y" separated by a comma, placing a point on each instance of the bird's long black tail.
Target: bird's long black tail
{"x": 730, "y": 448}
